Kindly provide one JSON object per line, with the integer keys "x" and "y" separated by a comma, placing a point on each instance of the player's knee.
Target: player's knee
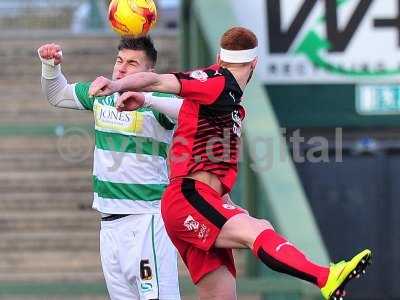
{"x": 241, "y": 230}
{"x": 264, "y": 224}
{"x": 258, "y": 226}
{"x": 254, "y": 229}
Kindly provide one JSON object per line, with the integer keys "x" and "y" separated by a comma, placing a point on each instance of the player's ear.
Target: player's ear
{"x": 150, "y": 67}
{"x": 254, "y": 63}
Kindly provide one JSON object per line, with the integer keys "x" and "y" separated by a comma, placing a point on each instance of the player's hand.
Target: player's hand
{"x": 103, "y": 86}
{"x": 51, "y": 51}
{"x": 130, "y": 101}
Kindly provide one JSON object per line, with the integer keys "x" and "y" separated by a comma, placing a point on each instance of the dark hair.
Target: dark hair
{"x": 142, "y": 43}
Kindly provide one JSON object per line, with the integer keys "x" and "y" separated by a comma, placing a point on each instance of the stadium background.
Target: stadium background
{"x": 341, "y": 200}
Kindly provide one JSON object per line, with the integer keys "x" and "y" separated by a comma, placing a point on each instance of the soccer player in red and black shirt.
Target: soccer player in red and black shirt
{"x": 201, "y": 220}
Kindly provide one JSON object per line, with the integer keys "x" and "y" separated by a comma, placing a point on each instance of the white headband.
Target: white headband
{"x": 238, "y": 56}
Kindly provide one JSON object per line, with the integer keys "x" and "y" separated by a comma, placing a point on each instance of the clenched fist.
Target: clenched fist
{"x": 103, "y": 86}
{"x": 130, "y": 101}
{"x": 51, "y": 52}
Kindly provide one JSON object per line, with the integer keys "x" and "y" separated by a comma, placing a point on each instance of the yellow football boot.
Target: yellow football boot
{"x": 341, "y": 273}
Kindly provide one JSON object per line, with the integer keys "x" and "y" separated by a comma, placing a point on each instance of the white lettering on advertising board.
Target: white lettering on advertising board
{"x": 325, "y": 41}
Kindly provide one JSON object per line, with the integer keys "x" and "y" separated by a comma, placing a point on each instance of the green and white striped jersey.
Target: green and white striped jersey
{"x": 129, "y": 168}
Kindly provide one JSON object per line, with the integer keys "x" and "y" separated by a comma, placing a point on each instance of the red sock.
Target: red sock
{"x": 280, "y": 255}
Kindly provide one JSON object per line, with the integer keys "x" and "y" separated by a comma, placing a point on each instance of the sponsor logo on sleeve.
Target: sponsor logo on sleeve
{"x": 199, "y": 75}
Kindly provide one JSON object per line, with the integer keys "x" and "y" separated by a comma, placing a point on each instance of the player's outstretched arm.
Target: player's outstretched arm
{"x": 139, "y": 82}
{"x": 134, "y": 100}
{"x": 54, "y": 84}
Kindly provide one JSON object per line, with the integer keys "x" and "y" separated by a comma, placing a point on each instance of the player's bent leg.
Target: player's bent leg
{"x": 271, "y": 248}
{"x": 282, "y": 256}
{"x": 217, "y": 285}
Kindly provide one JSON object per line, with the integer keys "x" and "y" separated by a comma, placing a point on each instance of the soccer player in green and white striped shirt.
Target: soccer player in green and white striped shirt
{"x": 129, "y": 175}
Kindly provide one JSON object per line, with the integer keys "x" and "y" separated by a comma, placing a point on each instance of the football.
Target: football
{"x": 132, "y": 17}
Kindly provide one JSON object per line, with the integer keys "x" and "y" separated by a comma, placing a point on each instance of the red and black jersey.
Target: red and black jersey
{"x": 207, "y": 137}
